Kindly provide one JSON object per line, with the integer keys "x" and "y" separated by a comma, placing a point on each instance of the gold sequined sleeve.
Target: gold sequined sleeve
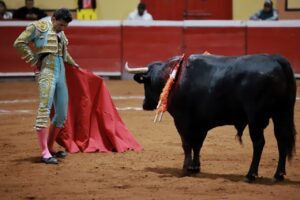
{"x": 22, "y": 42}
{"x": 67, "y": 57}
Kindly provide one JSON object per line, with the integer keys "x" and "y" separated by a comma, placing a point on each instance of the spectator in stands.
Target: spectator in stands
{"x": 4, "y": 14}
{"x": 267, "y": 13}
{"x": 29, "y": 12}
{"x": 140, "y": 14}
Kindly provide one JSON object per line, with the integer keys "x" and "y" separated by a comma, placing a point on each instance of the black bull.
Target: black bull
{"x": 212, "y": 91}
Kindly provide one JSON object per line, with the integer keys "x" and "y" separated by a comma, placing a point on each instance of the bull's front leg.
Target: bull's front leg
{"x": 183, "y": 127}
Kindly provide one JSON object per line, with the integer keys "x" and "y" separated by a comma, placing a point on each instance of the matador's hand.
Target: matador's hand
{"x": 76, "y": 65}
{"x": 38, "y": 66}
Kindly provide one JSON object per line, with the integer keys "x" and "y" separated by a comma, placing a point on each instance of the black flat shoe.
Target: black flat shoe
{"x": 59, "y": 154}
{"x": 50, "y": 160}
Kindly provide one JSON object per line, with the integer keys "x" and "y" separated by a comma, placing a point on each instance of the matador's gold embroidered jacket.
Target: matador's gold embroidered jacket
{"x": 45, "y": 40}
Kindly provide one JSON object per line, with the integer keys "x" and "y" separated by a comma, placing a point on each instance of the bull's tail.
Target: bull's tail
{"x": 285, "y": 126}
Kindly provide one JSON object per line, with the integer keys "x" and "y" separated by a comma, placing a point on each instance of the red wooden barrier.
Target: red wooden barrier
{"x": 104, "y": 46}
{"x": 10, "y": 59}
{"x": 96, "y": 46}
{"x": 277, "y": 38}
{"x": 150, "y": 41}
{"x": 217, "y": 37}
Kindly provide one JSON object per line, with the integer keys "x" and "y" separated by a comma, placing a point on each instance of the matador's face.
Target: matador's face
{"x": 58, "y": 25}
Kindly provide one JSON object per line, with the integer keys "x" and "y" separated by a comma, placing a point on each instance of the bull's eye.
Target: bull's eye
{"x": 139, "y": 78}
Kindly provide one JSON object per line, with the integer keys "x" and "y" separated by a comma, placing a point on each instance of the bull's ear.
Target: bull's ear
{"x": 140, "y": 78}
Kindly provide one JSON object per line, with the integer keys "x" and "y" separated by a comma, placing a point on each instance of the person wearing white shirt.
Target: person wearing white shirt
{"x": 4, "y": 14}
{"x": 140, "y": 13}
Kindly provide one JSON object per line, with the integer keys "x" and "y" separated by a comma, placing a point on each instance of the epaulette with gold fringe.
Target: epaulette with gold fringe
{"x": 41, "y": 25}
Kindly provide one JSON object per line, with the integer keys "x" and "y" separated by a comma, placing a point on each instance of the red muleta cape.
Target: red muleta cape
{"x": 93, "y": 123}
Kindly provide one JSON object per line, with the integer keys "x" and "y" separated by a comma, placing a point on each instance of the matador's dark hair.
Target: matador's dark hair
{"x": 63, "y": 14}
{"x": 141, "y": 6}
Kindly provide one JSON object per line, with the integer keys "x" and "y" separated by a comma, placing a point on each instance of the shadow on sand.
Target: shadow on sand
{"x": 176, "y": 172}
{"x": 28, "y": 160}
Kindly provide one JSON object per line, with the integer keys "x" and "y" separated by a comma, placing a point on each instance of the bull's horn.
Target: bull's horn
{"x": 135, "y": 70}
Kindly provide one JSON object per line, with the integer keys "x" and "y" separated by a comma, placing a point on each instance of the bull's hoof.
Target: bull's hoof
{"x": 278, "y": 178}
{"x": 185, "y": 172}
{"x": 194, "y": 169}
{"x": 250, "y": 178}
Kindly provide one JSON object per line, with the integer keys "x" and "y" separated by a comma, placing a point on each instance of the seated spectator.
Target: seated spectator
{"x": 28, "y": 12}
{"x": 140, "y": 14}
{"x": 267, "y": 13}
{"x": 4, "y": 14}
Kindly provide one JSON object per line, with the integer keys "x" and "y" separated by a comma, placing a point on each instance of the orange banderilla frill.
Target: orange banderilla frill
{"x": 163, "y": 100}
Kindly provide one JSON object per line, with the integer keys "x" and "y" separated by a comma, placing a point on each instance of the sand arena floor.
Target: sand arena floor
{"x": 151, "y": 174}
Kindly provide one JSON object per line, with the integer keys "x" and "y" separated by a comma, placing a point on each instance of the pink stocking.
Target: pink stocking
{"x": 53, "y": 132}
{"x": 42, "y": 138}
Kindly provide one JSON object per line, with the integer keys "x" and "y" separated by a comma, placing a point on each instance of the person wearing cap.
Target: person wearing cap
{"x": 267, "y": 13}
{"x": 140, "y": 13}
